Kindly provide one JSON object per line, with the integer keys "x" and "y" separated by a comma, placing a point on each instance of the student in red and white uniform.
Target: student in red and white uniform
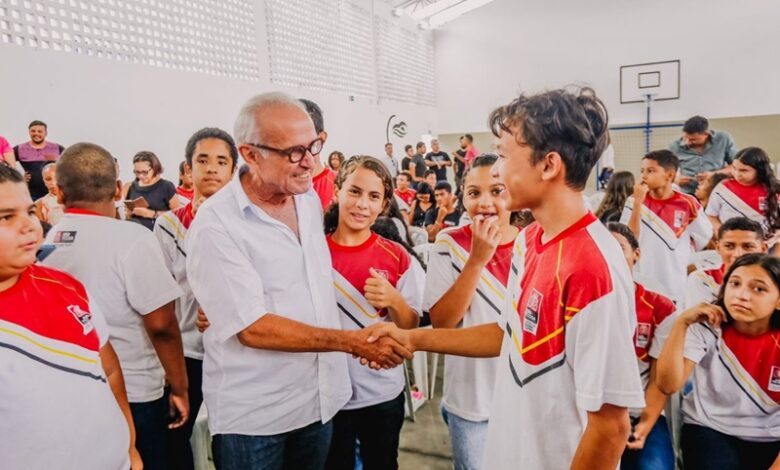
{"x": 668, "y": 223}
{"x": 754, "y": 192}
{"x": 211, "y": 158}
{"x": 376, "y": 280}
{"x": 404, "y": 190}
{"x": 567, "y": 372}
{"x": 185, "y": 191}
{"x": 466, "y": 286}
{"x": 122, "y": 266}
{"x": 62, "y": 398}
{"x": 732, "y": 415}
{"x": 736, "y": 237}
{"x": 650, "y": 443}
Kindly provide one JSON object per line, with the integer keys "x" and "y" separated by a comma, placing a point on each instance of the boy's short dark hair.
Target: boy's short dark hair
{"x": 407, "y": 175}
{"x": 408, "y": 147}
{"x": 428, "y": 172}
{"x": 10, "y": 175}
{"x": 468, "y": 137}
{"x": 571, "y": 123}
{"x": 86, "y": 173}
{"x": 210, "y": 133}
{"x": 742, "y": 224}
{"x": 622, "y": 229}
{"x": 443, "y": 185}
{"x": 420, "y": 144}
{"x": 696, "y": 125}
{"x": 315, "y": 113}
{"x": 665, "y": 159}
{"x": 37, "y": 123}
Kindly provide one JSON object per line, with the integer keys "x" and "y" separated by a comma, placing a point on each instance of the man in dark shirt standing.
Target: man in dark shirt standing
{"x": 407, "y": 159}
{"x": 417, "y": 165}
{"x": 438, "y": 161}
{"x": 459, "y": 158}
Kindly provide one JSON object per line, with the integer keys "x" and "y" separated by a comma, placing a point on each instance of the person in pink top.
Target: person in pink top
{"x": 471, "y": 151}
{"x": 6, "y": 153}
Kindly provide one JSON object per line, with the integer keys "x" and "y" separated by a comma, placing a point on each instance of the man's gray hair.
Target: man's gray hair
{"x": 246, "y": 127}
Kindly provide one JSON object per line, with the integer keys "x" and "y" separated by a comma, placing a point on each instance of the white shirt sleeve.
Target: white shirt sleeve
{"x": 411, "y": 285}
{"x": 167, "y": 243}
{"x": 714, "y": 204}
{"x": 661, "y": 334}
{"x": 700, "y": 230}
{"x": 439, "y": 277}
{"x": 696, "y": 289}
{"x": 600, "y": 350}
{"x": 98, "y": 321}
{"x": 148, "y": 281}
{"x": 224, "y": 282}
{"x": 625, "y": 216}
{"x": 697, "y": 342}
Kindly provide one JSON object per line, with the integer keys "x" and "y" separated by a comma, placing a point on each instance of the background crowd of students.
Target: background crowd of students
{"x": 706, "y": 294}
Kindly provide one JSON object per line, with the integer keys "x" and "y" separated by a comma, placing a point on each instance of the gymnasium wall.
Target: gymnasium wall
{"x": 488, "y": 56}
{"x": 121, "y": 82}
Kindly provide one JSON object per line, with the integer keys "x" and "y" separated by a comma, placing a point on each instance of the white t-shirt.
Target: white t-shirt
{"x": 351, "y": 266}
{"x": 249, "y": 264}
{"x": 56, "y": 406}
{"x": 568, "y": 347}
{"x": 736, "y": 382}
{"x": 730, "y": 199}
{"x": 170, "y": 228}
{"x": 670, "y": 230}
{"x": 122, "y": 265}
{"x": 468, "y": 382}
{"x": 703, "y": 285}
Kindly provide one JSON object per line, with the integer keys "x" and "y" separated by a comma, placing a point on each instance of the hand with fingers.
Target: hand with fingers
{"x": 640, "y": 192}
{"x": 703, "y": 313}
{"x": 486, "y": 236}
{"x": 379, "y": 292}
{"x": 202, "y": 322}
{"x": 179, "y": 410}
{"x": 378, "y": 348}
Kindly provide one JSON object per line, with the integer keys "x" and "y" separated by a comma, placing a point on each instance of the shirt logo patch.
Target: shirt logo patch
{"x": 642, "y": 335}
{"x": 531, "y": 315}
{"x": 679, "y": 218}
{"x": 83, "y": 317}
{"x": 65, "y": 237}
{"x": 774, "y": 379}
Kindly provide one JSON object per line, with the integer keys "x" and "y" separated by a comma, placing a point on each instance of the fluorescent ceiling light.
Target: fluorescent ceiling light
{"x": 434, "y": 13}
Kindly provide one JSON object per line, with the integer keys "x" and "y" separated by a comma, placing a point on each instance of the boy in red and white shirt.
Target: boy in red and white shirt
{"x": 403, "y": 189}
{"x": 736, "y": 237}
{"x": 567, "y": 372}
{"x": 211, "y": 158}
{"x": 670, "y": 225}
{"x": 62, "y": 397}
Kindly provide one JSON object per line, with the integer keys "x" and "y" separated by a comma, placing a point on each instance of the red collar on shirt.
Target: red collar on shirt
{"x": 76, "y": 210}
{"x": 586, "y": 220}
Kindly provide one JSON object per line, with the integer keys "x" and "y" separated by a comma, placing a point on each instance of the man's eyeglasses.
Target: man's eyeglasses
{"x": 294, "y": 154}
{"x": 142, "y": 172}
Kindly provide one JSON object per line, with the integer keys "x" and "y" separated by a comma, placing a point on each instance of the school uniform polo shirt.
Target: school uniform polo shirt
{"x": 670, "y": 231}
{"x": 567, "y": 348}
{"x": 122, "y": 266}
{"x": 57, "y": 409}
{"x": 468, "y": 382}
{"x": 243, "y": 265}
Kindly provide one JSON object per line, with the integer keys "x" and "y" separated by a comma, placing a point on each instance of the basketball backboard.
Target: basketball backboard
{"x": 659, "y": 79}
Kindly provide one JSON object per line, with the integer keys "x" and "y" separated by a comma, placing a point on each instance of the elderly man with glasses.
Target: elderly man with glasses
{"x": 274, "y": 371}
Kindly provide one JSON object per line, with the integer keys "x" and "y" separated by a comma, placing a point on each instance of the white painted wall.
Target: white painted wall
{"x": 127, "y": 107}
{"x": 728, "y": 51}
